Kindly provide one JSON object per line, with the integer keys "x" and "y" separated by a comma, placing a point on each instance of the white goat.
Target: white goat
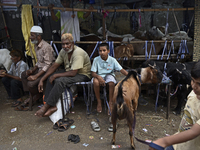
{"x": 5, "y": 60}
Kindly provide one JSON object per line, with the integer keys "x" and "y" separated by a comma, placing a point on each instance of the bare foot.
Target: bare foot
{"x": 43, "y": 110}
{"x": 50, "y": 111}
{"x": 99, "y": 108}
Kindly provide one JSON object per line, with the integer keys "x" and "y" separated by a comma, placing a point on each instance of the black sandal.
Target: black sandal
{"x": 57, "y": 124}
{"x": 16, "y": 103}
{"x": 65, "y": 125}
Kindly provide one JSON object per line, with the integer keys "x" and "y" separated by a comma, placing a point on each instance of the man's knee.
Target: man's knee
{"x": 111, "y": 84}
{"x": 95, "y": 82}
{"x": 4, "y": 80}
{"x": 14, "y": 83}
{"x": 31, "y": 84}
{"x": 23, "y": 75}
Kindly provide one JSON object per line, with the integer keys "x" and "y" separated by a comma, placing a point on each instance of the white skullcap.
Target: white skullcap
{"x": 36, "y": 29}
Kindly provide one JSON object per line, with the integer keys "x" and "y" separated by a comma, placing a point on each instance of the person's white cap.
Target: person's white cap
{"x": 36, "y": 29}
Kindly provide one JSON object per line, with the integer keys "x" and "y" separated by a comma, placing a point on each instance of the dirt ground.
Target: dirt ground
{"x": 35, "y": 133}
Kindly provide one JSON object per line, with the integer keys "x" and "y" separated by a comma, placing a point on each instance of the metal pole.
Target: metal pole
{"x": 103, "y": 21}
{"x": 6, "y": 26}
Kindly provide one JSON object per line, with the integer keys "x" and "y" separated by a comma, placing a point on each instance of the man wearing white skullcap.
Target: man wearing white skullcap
{"x": 36, "y": 29}
{"x": 45, "y": 57}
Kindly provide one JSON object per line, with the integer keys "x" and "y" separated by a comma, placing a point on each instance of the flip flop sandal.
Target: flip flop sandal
{"x": 57, "y": 124}
{"x": 158, "y": 147}
{"x": 110, "y": 128}
{"x": 95, "y": 126}
{"x": 68, "y": 121}
{"x": 63, "y": 127}
{"x": 15, "y": 104}
{"x": 21, "y": 108}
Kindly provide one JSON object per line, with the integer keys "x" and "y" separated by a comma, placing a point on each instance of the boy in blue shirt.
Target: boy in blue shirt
{"x": 103, "y": 68}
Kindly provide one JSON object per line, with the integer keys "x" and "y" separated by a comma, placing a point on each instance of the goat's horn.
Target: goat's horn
{"x": 151, "y": 66}
{"x": 178, "y": 71}
{"x": 184, "y": 67}
{"x": 154, "y": 64}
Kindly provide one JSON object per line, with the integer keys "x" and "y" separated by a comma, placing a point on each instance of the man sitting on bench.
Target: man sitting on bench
{"x": 77, "y": 69}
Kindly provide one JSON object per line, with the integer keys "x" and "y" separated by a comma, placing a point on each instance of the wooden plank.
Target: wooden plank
{"x": 109, "y": 10}
{"x": 117, "y": 42}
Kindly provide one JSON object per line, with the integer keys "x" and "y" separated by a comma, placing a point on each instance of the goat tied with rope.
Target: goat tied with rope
{"x": 126, "y": 94}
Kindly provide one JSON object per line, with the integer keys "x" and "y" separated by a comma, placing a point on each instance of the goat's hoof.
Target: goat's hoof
{"x": 133, "y": 146}
{"x": 113, "y": 142}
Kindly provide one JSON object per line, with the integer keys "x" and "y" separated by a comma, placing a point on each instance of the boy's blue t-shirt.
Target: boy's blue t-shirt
{"x": 102, "y": 67}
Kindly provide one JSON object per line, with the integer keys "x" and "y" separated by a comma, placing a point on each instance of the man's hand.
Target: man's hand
{"x": 101, "y": 81}
{"x": 40, "y": 86}
{"x": 29, "y": 72}
{"x": 32, "y": 78}
{"x": 52, "y": 78}
{"x": 2, "y": 73}
{"x": 91, "y": 7}
{"x": 51, "y": 6}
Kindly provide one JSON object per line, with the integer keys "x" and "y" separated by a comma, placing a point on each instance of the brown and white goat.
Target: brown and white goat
{"x": 126, "y": 94}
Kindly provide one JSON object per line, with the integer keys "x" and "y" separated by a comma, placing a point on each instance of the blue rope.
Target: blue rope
{"x": 146, "y": 52}
{"x": 111, "y": 46}
{"x": 164, "y": 49}
{"x": 152, "y": 46}
{"x": 156, "y": 105}
{"x": 183, "y": 49}
{"x": 98, "y": 42}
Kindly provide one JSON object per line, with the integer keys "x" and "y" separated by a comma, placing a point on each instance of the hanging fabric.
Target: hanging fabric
{"x": 27, "y": 23}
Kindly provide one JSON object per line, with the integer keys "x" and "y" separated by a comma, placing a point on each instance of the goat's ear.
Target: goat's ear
{"x": 178, "y": 71}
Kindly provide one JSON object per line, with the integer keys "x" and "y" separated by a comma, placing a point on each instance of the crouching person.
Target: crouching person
{"x": 77, "y": 69}
{"x": 12, "y": 79}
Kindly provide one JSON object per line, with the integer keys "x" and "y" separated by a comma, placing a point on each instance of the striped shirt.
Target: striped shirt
{"x": 45, "y": 55}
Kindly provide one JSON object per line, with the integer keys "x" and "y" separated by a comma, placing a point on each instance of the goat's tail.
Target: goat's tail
{"x": 120, "y": 101}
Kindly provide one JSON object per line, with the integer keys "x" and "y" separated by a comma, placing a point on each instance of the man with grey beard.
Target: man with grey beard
{"x": 45, "y": 58}
{"x": 77, "y": 69}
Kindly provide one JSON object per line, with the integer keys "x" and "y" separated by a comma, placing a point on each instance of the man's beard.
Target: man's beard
{"x": 71, "y": 49}
{"x": 34, "y": 42}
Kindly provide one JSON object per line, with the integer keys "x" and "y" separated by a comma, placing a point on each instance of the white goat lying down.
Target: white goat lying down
{"x": 5, "y": 60}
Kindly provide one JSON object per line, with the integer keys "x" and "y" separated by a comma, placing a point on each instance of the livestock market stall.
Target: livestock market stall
{"x": 102, "y": 10}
